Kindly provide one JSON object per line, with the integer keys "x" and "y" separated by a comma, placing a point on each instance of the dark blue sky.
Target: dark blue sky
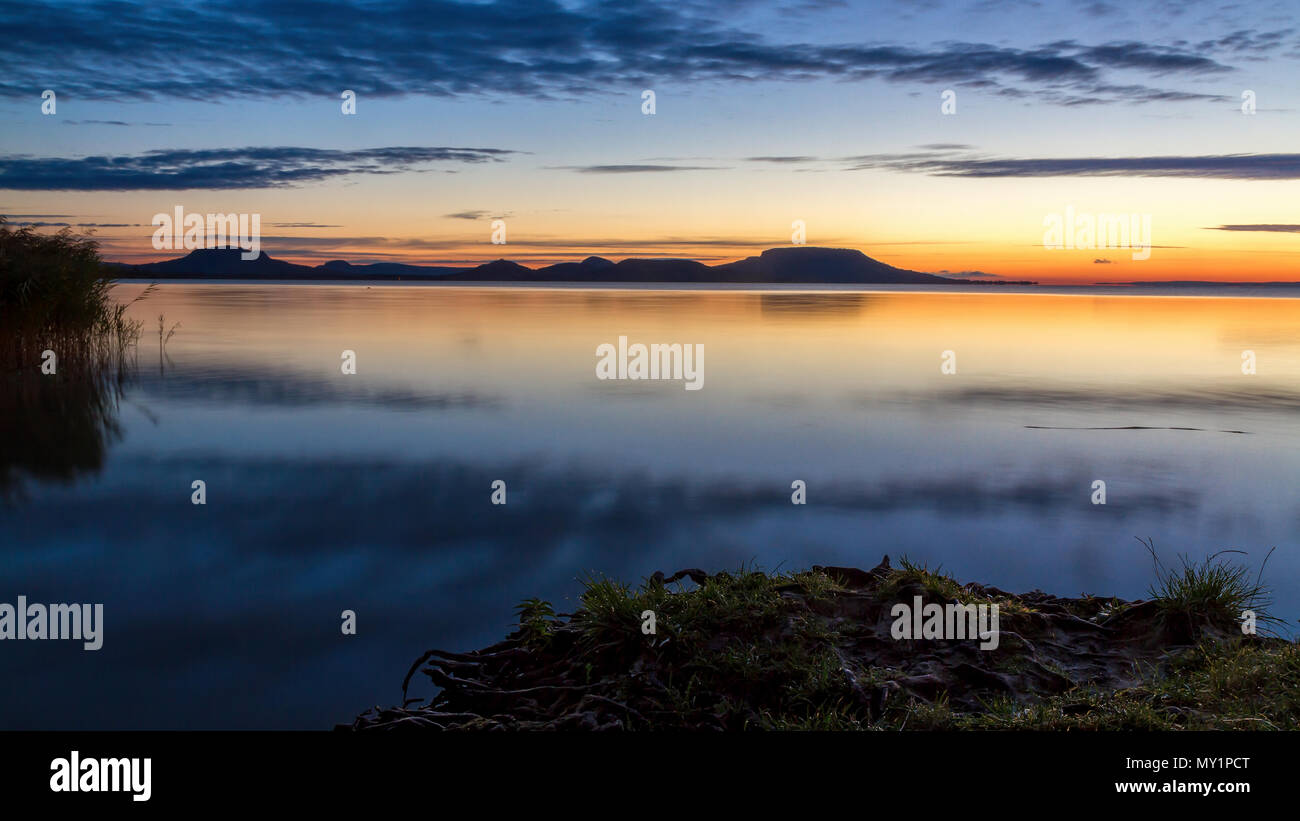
{"x": 767, "y": 112}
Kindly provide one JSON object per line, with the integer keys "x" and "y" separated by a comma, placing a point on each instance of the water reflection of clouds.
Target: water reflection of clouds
{"x": 263, "y": 385}
{"x": 405, "y": 507}
{"x": 779, "y": 306}
{"x": 1207, "y": 396}
{"x": 252, "y": 584}
{"x": 326, "y": 493}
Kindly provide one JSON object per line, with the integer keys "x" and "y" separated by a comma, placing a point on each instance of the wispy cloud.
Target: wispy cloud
{"x": 1213, "y": 166}
{"x": 784, "y": 160}
{"x": 969, "y": 274}
{"x": 225, "y": 168}
{"x": 1263, "y": 228}
{"x": 534, "y": 48}
{"x": 111, "y": 122}
{"x": 635, "y": 169}
{"x": 1247, "y": 42}
{"x": 25, "y": 224}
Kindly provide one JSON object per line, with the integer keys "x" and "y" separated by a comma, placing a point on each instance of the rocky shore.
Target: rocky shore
{"x": 820, "y": 649}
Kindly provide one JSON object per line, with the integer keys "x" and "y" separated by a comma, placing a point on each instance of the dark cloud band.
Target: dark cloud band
{"x": 226, "y": 168}
{"x": 1216, "y": 166}
{"x": 541, "y": 48}
{"x": 1270, "y": 228}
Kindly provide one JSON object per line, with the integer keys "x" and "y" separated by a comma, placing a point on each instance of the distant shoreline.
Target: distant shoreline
{"x": 1137, "y": 290}
{"x": 418, "y": 280}
{"x": 802, "y": 265}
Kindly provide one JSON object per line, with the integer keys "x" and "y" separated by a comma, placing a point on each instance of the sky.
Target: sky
{"x": 1181, "y": 112}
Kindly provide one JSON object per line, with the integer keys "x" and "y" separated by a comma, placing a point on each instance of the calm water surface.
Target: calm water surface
{"x": 370, "y": 492}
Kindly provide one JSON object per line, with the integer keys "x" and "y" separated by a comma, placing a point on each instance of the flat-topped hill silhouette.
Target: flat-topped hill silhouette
{"x": 807, "y": 264}
{"x": 801, "y": 265}
{"x": 382, "y": 269}
{"x": 217, "y": 262}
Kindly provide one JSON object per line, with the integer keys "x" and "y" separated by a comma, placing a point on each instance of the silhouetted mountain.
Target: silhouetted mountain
{"x": 661, "y": 270}
{"x": 228, "y": 263}
{"x": 812, "y": 265}
{"x": 499, "y": 270}
{"x": 595, "y": 269}
{"x": 221, "y": 262}
{"x": 575, "y": 271}
{"x": 386, "y": 269}
{"x": 794, "y": 265}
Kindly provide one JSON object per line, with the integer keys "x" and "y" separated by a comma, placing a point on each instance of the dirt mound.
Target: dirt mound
{"x": 815, "y": 649}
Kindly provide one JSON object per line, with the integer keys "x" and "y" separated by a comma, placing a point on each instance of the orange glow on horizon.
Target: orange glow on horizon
{"x": 1017, "y": 262}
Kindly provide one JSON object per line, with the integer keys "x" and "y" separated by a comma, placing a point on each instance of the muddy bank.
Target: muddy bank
{"x": 830, "y": 649}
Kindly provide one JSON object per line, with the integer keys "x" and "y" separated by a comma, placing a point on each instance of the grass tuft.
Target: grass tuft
{"x": 1213, "y": 591}
{"x": 798, "y": 651}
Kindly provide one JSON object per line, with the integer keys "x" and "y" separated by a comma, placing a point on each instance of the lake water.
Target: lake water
{"x": 371, "y": 492}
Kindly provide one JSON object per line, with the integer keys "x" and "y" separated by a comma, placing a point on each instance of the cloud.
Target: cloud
{"x": 783, "y": 160}
{"x": 1278, "y": 228}
{"x": 1099, "y": 9}
{"x": 223, "y": 168}
{"x": 634, "y": 169}
{"x": 1214, "y": 166}
{"x": 1155, "y": 59}
{"x": 466, "y": 215}
{"x": 1102, "y": 262}
{"x": 41, "y": 224}
{"x": 1246, "y": 42}
{"x": 530, "y": 48}
{"x": 109, "y": 122}
{"x": 1135, "y": 94}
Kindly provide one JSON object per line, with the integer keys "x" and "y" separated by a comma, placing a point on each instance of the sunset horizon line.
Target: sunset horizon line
{"x": 537, "y": 259}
